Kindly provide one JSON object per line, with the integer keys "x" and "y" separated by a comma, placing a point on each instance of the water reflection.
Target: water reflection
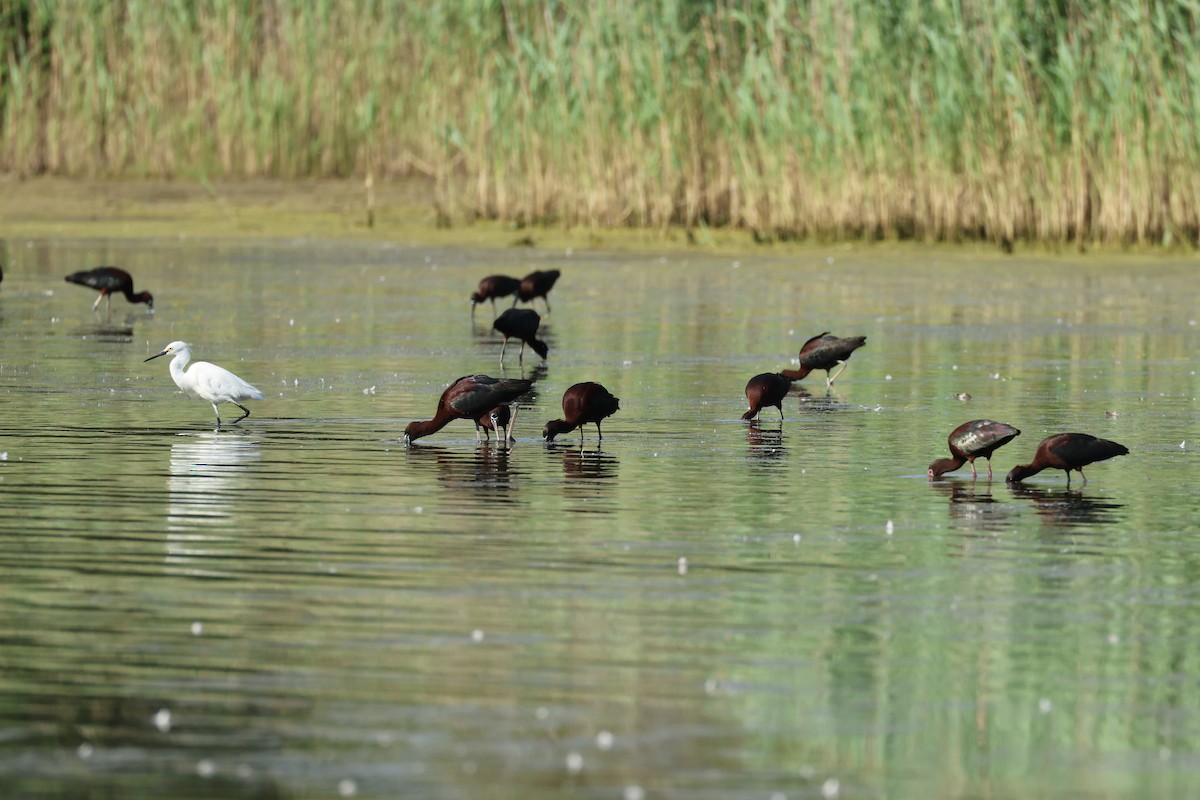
{"x": 208, "y": 473}
{"x": 482, "y": 472}
{"x": 1064, "y": 508}
{"x": 972, "y": 506}
{"x": 765, "y": 443}
{"x": 105, "y": 332}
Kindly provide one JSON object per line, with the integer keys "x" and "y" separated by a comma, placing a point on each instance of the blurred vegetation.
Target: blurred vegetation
{"x": 1001, "y": 120}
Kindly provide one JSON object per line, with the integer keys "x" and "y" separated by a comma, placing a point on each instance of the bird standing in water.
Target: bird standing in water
{"x": 521, "y": 323}
{"x": 825, "y": 351}
{"x": 538, "y": 284}
{"x": 470, "y": 397}
{"x": 109, "y": 280}
{"x": 500, "y": 419}
{"x": 582, "y": 403}
{"x": 491, "y": 287}
{"x": 767, "y": 389}
{"x": 978, "y": 438}
{"x": 1067, "y": 451}
{"x": 207, "y": 381}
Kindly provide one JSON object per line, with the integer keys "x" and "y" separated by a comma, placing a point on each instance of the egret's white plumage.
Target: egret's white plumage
{"x": 207, "y": 381}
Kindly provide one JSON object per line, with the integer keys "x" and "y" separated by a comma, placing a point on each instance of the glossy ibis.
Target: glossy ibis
{"x": 978, "y": 438}
{"x": 582, "y": 403}
{"x": 767, "y": 389}
{"x": 500, "y": 419}
{"x": 470, "y": 397}
{"x": 491, "y": 287}
{"x": 825, "y": 351}
{"x": 538, "y": 284}
{"x": 207, "y": 381}
{"x": 1067, "y": 451}
{"x": 520, "y": 323}
{"x": 108, "y": 281}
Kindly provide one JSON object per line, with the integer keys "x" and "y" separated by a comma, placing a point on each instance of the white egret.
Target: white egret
{"x": 207, "y": 381}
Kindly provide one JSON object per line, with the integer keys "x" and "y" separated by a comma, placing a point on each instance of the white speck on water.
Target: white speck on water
{"x": 292, "y": 323}
{"x": 54, "y": 320}
{"x": 710, "y": 686}
{"x": 655, "y": 455}
{"x": 795, "y": 538}
{"x": 1192, "y": 322}
{"x": 627, "y": 363}
{"x": 574, "y": 762}
{"x": 541, "y": 712}
{"x": 1183, "y": 445}
{"x": 337, "y": 320}
{"x": 347, "y": 787}
{"x": 604, "y": 740}
{"x": 635, "y": 792}
{"x": 830, "y": 788}
{"x": 369, "y": 390}
{"x": 84, "y": 750}
{"x": 887, "y": 377}
{"x": 890, "y": 528}
{"x": 4, "y": 456}
{"x": 197, "y": 628}
{"x": 683, "y": 565}
{"x": 736, "y": 265}
{"x": 295, "y": 382}
{"x": 418, "y": 509}
{"x": 205, "y": 768}
{"x": 477, "y": 635}
{"x": 996, "y": 376}
{"x": 954, "y": 366}
{"x": 162, "y": 719}
{"x": 791, "y": 331}
{"x": 1044, "y": 705}
{"x": 1114, "y": 639}
{"x": 829, "y": 261}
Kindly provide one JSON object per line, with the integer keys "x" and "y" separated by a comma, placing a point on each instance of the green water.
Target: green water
{"x": 301, "y": 607}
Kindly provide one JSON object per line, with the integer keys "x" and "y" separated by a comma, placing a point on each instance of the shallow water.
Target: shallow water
{"x": 299, "y": 606}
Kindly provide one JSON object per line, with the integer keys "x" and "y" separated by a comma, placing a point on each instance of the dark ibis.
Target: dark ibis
{"x": 470, "y": 397}
{"x": 978, "y": 438}
{"x": 520, "y": 323}
{"x": 767, "y": 389}
{"x": 582, "y": 403}
{"x": 1067, "y": 451}
{"x": 825, "y": 351}
{"x": 108, "y": 281}
{"x": 494, "y": 286}
{"x": 538, "y": 284}
{"x": 500, "y": 419}
{"x": 206, "y": 381}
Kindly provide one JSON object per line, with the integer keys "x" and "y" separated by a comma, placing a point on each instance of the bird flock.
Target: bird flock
{"x": 490, "y": 403}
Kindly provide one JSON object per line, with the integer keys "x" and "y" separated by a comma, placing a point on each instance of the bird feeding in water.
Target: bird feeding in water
{"x": 767, "y": 389}
{"x": 494, "y": 286}
{"x": 107, "y": 281}
{"x": 470, "y": 397}
{"x": 978, "y": 438}
{"x": 537, "y": 284}
{"x": 207, "y": 381}
{"x": 825, "y": 351}
{"x": 521, "y": 323}
{"x": 1067, "y": 451}
{"x": 501, "y": 419}
{"x": 582, "y": 403}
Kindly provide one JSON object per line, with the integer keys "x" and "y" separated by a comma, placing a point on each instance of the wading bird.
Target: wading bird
{"x": 500, "y": 419}
{"x": 978, "y": 438}
{"x": 470, "y": 397}
{"x": 767, "y": 389}
{"x": 521, "y": 323}
{"x": 1067, "y": 451}
{"x": 491, "y": 287}
{"x": 107, "y": 281}
{"x": 207, "y": 381}
{"x": 582, "y": 403}
{"x": 825, "y": 351}
{"x": 538, "y": 284}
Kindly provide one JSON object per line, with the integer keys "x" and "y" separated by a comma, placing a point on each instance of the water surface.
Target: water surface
{"x": 299, "y": 606}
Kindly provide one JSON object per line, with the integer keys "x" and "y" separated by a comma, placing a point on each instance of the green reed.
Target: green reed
{"x": 1069, "y": 122}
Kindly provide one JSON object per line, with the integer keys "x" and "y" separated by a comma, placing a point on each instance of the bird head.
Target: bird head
{"x": 172, "y": 348}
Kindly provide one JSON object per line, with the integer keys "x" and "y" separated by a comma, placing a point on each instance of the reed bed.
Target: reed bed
{"x": 1066, "y": 122}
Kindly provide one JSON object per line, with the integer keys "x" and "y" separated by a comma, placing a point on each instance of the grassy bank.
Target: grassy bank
{"x": 1062, "y": 122}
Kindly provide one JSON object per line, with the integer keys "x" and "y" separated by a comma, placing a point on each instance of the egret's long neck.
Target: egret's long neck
{"x": 179, "y": 366}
